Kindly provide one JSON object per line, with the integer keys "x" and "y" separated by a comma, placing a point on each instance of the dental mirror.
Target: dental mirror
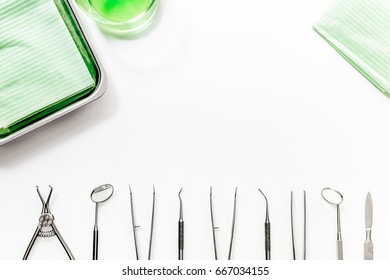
{"x": 335, "y": 198}
{"x": 99, "y": 195}
{"x": 332, "y": 196}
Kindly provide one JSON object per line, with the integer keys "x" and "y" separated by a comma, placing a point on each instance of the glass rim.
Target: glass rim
{"x": 133, "y": 23}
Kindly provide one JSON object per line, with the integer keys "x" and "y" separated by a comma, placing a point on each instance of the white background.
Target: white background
{"x": 224, "y": 93}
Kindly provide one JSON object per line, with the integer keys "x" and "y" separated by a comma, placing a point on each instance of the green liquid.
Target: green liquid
{"x": 119, "y": 10}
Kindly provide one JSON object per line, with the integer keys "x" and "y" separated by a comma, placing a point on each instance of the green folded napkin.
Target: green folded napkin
{"x": 44, "y": 66}
{"x": 360, "y": 31}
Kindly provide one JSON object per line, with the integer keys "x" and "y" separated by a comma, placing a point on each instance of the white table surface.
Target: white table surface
{"x": 224, "y": 93}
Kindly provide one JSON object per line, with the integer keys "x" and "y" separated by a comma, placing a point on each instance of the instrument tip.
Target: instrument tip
{"x": 262, "y": 193}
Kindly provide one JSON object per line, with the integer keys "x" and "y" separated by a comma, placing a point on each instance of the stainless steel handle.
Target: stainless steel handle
{"x": 340, "y": 249}
{"x": 181, "y": 240}
{"x": 368, "y": 246}
{"x": 95, "y": 243}
{"x": 267, "y": 227}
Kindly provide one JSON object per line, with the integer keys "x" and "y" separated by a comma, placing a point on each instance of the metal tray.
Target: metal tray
{"x": 99, "y": 86}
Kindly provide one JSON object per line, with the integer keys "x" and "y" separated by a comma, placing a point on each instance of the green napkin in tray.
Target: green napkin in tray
{"x": 44, "y": 64}
{"x": 360, "y": 31}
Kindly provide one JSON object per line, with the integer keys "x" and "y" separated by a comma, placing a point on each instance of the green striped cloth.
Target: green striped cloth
{"x": 360, "y": 31}
{"x": 40, "y": 64}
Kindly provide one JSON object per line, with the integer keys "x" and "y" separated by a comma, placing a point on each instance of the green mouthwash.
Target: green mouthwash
{"x": 119, "y": 10}
{"x": 120, "y": 17}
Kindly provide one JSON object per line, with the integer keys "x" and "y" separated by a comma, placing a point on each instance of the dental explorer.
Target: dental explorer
{"x": 135, "y": 227}
{"x": 267, "y": 229}
{"x": 181, "y": 229}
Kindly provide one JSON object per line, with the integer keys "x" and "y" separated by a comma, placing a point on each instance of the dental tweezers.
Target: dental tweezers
{"x": 214, "y": 228}
{"x": 135, "y": 227}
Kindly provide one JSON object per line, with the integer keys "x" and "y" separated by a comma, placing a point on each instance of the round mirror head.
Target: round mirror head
{"x": 102, "y": 193}
{"x": 332, "y": 196}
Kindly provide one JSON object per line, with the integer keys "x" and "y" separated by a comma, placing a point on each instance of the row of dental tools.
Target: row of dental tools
{"x": 47, "y": 228}
{"x": 101, "y": 194}
{"x": 180, "y": 235}
{"x": 331, "y": 196}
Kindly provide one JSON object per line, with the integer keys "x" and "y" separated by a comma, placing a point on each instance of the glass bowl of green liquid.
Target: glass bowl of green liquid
{"x": 121, "y": 17}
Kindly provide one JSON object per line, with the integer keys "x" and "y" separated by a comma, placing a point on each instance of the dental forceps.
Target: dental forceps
{"x": 135, "y": 227}
{"x": 304, "y": 224}
{"x": 267, "y": 229}
{"x": 46, "y": 227}
{"x": 181, "y": 229}
{"x": 214, "y": 228}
